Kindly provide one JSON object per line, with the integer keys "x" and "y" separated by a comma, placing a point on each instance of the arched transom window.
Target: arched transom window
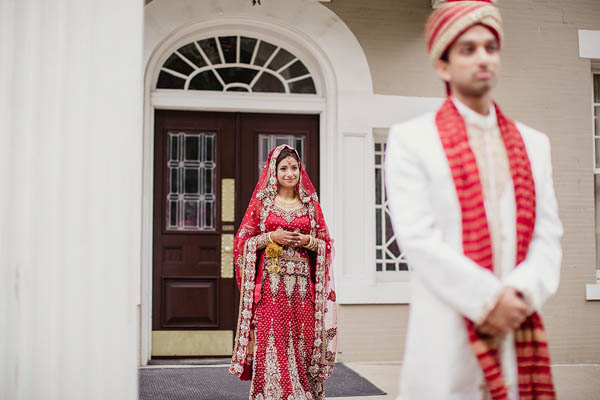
{"x": 235, "y": 64}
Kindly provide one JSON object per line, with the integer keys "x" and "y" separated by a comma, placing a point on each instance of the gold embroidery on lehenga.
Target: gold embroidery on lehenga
{"x": 274, "y": 279}
{"x": 293, "y": 370}
{"x": 273, "y": 389}
{"x": 302, "y": 345}
{"x": 302, "y": 286}
{"x": 254, "y": 372}
{"x": 290, "y": 283}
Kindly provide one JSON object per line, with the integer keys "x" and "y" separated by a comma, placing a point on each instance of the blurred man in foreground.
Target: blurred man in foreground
{"x": 473, "y": 207}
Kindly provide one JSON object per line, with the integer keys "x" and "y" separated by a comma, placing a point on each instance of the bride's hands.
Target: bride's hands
{"x": 290, "y": 239}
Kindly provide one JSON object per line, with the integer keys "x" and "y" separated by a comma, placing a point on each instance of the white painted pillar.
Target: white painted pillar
{"x": 70, "y": 172}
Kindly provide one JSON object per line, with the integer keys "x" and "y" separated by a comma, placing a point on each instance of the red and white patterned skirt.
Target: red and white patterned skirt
{"x": 284, "y": 333}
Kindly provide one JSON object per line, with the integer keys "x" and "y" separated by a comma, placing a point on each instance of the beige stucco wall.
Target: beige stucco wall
{"x": 543, "y": 84}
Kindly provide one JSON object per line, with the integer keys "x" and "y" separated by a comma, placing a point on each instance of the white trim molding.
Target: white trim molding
{"x": 589, "y": 43}
{"x": 173, "y": 99}
{"x": 592, "y": 291}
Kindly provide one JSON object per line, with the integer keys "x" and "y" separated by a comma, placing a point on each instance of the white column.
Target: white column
{"x": 70, "y": 171}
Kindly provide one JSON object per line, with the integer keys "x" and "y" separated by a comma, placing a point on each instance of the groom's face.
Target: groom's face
{"x": 473, "y": 62}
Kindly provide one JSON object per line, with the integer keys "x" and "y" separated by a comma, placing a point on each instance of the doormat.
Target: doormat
{"x": 215, "y": 383}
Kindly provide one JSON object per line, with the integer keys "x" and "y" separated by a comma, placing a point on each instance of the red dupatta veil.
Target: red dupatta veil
{"x": 245, "y": 257}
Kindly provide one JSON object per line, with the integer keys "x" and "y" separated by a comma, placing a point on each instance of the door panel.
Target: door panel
{"x": 190, "y": 302}
{"x": 192, "y": 155}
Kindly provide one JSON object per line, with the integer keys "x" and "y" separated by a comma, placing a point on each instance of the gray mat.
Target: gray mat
{"x": 215, "y": 383}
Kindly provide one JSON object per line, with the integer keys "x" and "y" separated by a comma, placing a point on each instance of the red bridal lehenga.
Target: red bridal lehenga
{"x": 287, "y": 328}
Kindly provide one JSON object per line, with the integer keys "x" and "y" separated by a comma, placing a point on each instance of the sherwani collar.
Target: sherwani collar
{"x": 471, "y": 117}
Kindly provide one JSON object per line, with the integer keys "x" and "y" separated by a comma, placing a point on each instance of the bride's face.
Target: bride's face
{"x": 288, "y": 172}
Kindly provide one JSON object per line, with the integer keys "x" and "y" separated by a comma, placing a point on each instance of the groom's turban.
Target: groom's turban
{"x": 450, "y": 20}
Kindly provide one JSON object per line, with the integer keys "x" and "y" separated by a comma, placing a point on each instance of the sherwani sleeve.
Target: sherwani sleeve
{"x": 538, "y": 275}
{"x": 457, "y": 280}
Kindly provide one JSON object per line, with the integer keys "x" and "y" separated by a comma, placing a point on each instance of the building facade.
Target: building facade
{"x": 365, "y": 67}
{"x": 134, "y": 135}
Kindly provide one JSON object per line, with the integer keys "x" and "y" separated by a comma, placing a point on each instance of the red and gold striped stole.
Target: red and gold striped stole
{"x": 535, "y": 376}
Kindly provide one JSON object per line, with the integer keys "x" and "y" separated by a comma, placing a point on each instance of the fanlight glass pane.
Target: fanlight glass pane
{"x": 178, "y": 65}
{"x": 295, "y": 70}
{"x": 191, "y": 180}
{"x": 264, "y": 52}
{"x": 168, "y": 81}
{"x": 237, "y": 89}
{"x": 246, "y": 49}
{"x": 237, "y": 74}
{"x": 205, "y": 81}
{"x": 229, "y": 48}
{"x": 282, "y": 58}
{"x": 235, "y": 64}
{"x": 209, "y": 46}
{"x": 305, "y": 85}
{"x": 269, "y": 84}
{"x": 190, "y": 51}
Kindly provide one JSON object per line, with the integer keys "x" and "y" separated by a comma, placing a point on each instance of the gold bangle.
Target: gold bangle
{"x": 270, "y": 240}
{"x": 310, "y": 242}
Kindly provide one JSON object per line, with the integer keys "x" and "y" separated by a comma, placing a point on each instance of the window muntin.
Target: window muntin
{"x": 234, "y": 64}
{"x": 191, "y": 181}
{"x": 388, "y": 256}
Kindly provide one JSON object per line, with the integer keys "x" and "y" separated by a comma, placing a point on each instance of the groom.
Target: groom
{"x": 473, "y": 207}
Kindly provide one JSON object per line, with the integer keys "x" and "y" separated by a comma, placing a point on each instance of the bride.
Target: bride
{"x": 287, "y": 328}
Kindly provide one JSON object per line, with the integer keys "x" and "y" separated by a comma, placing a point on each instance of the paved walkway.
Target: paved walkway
{"x": 573, "y": 382}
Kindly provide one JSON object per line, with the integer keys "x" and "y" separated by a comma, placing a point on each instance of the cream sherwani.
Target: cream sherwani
{"x": 446, "y": 285}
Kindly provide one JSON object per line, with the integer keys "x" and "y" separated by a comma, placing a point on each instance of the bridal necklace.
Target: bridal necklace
{"x": 285, "y": 202}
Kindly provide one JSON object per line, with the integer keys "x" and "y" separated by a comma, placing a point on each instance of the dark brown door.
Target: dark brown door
{"x": 206, "y": 167}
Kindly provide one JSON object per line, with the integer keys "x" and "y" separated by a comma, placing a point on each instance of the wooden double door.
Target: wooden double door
{"x": 206, "y": 165}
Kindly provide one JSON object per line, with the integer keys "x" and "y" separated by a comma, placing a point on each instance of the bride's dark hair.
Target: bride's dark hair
{"x": 287, "y": 152}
